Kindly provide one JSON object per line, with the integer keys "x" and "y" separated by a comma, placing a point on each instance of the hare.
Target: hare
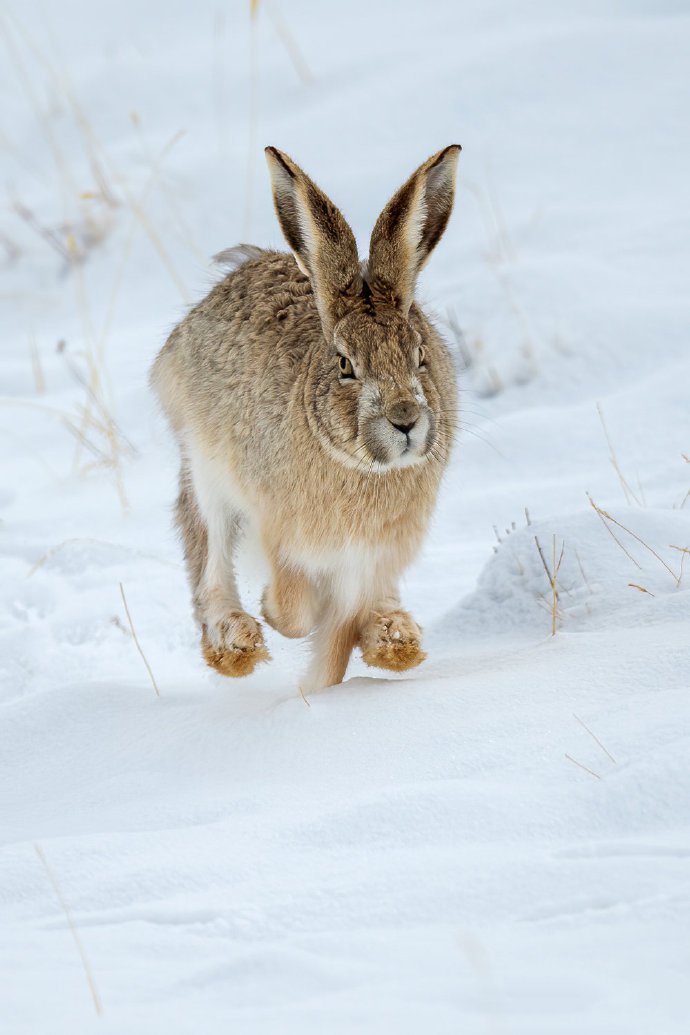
{"x": 312, "y": 398}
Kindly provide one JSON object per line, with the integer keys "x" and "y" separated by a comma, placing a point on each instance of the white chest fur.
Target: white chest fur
{"x": 355, "y": 574}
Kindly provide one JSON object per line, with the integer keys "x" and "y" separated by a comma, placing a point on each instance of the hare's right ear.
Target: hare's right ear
{"x": 410, "y": 227}
{"x": 321, "y": 241}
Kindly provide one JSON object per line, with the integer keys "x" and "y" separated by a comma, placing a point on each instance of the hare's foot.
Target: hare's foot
{"x": 391, "y": 640}
{"x": 235, "y": 645}
{"x": 332, "y": 643}
{"x": 289, "y": 603}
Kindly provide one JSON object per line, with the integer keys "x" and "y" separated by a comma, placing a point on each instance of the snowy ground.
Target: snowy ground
{"x": 454, "y": 851}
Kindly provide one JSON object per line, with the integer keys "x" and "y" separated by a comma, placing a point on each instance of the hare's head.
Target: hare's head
{"x": 373, "y": 397}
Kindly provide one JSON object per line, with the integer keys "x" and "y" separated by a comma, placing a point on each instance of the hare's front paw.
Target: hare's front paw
{"x": 235, "y": 645}
{"x": 391, "y": 640}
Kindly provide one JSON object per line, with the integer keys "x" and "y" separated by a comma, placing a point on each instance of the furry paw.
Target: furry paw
{"x": 235, "y": 645}
{"x": 391, "y": 641}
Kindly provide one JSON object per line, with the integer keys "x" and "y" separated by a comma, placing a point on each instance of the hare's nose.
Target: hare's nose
{"x": 405, "y": 428}
{"x": 404, "y": 415}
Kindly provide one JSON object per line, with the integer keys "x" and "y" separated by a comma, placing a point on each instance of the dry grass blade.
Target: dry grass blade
{"x": 157, "y": 243}
{"x": 107, "y": 424}
{"x": 612, "y": 533}
{"x": 251, "y": 140}
{"x": 73, "y": 929}
{"x": 453, "y": 325}
{"x": 552, "y": 576}
{"x": 58, "y": 74}
{"x": 595, "y": 738}
{"x": 605, "y": 515}
{"x": 582, "y": 571}
{"x": 12, "y": 250}
{"x": 290, "y": 44}
{"x": 98, "y": 161}
{"x": 66, "y": 182}
{"x": 45, "y": 233}
{"x": 581, "y": 766}
{"x": 501, "y": 248}
{"x": 304, "y": 697}
{"x": 684, "y": 552}
{"x": 686, "y": 497}
{"x": 136, "y": 640}
{"x": 642, "y": 589}
{"x": 154, "y": 161}
{"x": 101, "y": 457}
{"x": 625, "y": 485}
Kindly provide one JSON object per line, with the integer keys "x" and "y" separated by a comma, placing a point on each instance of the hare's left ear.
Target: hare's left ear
{"x": 410, "y": 227}
{"x": 321, "y": 241}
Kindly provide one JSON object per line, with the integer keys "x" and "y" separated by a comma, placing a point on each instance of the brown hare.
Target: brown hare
{"x": 312, "y": 399}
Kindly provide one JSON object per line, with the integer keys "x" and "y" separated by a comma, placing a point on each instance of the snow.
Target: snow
{"x": 498, "y": 841}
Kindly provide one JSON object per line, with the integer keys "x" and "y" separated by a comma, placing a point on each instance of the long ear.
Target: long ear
{"x": 410, "y": 227}
{"x": 322, "y": 242}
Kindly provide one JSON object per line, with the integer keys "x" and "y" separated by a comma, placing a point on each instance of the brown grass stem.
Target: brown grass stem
{"x": 304, "y": 697}
{"x": 98, "y": 1006}
{"x": 552, "y": 576}
{"x": 251, "y": 141}
{"x": 625, "y": 485}
{"x": 613, "y": 534}
{"x": 136, "y": 641}
{"x": 581, "y": 766}
{"x": 642, "y": 589}
{"x": 595, "y": 738}
{"x": 290, "y": 43}
{"x": 604, "y": 515}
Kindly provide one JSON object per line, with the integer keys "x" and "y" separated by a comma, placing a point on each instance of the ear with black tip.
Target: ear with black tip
{"x": 322, "y": 242}
{"x": 410, "y": 227}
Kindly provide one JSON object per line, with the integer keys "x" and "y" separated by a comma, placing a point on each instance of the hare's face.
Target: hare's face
{"x": 375, "y": 404}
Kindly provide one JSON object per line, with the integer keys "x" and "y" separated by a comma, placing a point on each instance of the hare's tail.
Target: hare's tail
{"x": 233, "y": 258}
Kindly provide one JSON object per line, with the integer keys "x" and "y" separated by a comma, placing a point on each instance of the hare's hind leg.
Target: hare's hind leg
{"x": 333, "y": 641}
{"x": 231, "y": 640}
{"x": 290, "y": 602}
{"x": 390, "y": 638}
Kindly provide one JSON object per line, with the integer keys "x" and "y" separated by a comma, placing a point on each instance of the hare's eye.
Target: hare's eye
{"x": 345, "y": 367}
{"x": 421, "y": 354}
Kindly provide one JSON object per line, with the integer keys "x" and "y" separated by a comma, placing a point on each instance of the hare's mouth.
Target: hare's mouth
{"x": 392, "y": 446}
{"x": 378, "y": 446}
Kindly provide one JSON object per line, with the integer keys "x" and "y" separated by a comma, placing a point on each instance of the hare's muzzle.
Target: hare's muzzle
{"x": 403, "y": 415}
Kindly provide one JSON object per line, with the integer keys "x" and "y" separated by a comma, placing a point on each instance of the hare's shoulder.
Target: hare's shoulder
{"x": 267, "y": 292}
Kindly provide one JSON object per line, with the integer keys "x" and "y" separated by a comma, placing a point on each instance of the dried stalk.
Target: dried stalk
{"x": 136, "y": 640}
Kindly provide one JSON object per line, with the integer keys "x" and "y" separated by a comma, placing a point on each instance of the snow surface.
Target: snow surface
{"x": 425, "y": 853}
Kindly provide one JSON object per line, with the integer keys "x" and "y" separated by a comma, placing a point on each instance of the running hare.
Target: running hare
{"x": 312, "y": 398}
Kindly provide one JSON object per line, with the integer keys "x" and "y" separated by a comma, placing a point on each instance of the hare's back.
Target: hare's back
{"x": 243, "y": 342}
{"x": 265, "y": 306}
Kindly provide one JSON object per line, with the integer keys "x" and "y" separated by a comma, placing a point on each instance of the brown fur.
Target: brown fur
{"x": 271, "y": 434}
{"x": 290, "y": 603}
{"x": 192, "y": 529}
{"x": 241, "y": 660}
